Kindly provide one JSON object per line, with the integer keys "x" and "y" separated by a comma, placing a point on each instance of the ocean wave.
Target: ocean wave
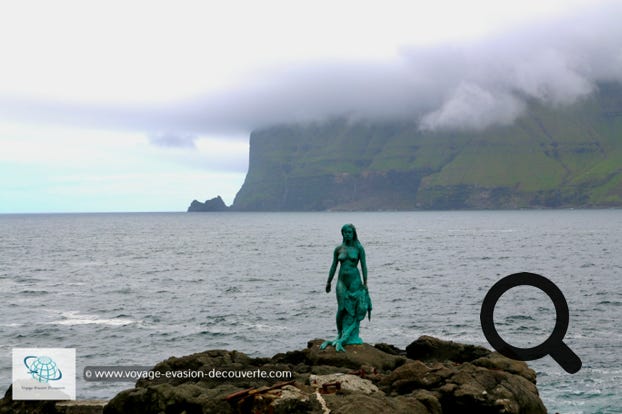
{"x": 12, "y": 325}
{"x": 519, "y": 318}
{"x": 76, "y": 318}
{"x": 33, "y": 292}
{"x": 608, "y": 302}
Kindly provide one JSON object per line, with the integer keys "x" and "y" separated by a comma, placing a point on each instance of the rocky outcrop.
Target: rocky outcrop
{"x": 10, "y": 406}
{"x": 214, "y": 204}
{"x": 431, "y": 377}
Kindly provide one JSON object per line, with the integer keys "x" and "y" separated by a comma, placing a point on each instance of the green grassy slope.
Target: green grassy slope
{"x": 551, "y": 157}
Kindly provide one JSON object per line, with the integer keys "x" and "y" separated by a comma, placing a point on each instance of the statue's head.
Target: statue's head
{"x": 349, "y": 228}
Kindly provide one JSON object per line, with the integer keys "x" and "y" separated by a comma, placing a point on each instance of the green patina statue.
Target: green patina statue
{"x": 353, "y": 301}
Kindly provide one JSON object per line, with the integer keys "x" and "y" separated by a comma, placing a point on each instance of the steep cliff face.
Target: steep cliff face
{"x": 562, "y": 157}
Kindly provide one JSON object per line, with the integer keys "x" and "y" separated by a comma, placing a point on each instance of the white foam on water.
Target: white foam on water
{"x": 76, "y": 318}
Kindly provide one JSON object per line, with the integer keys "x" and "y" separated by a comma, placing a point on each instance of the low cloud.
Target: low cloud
{"x": 473, "y": 108}
{"x": 171, "y": 140}
{"x": 464, "y": 85}
{"x": 468, "y": 85}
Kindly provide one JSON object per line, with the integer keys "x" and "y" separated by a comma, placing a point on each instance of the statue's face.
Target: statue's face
{"x": 348, "y": 234}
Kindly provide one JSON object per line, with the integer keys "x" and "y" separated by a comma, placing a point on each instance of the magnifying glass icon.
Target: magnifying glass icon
{"x": 554, "y": 345}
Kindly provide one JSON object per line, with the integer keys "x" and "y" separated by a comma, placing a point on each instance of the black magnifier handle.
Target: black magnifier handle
{"x": 566, "y": 358}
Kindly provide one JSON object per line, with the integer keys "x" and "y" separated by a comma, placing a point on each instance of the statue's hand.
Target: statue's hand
{"x": 327, "y": 287}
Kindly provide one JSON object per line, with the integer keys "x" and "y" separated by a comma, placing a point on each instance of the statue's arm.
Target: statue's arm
{"x": 333, "y": 269}
{"x": 363, "y": 265}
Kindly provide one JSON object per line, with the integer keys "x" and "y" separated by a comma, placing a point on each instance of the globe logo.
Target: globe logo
{"x": 42, "y": 368}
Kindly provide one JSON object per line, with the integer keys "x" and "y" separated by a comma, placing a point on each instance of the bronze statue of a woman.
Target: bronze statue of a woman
{"x": 353, "y": 301}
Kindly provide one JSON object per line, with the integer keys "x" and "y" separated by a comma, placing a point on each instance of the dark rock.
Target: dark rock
{"x": 355, "y": 357}
{"x": 476, "y": 389}
{"x": 215, "y": 204}
{"x": 494, "y": 360}
{"x": 390, "y": 349}
{"x": 10, "y": 406}
{"x": 430, "y": 400}
{"x": 446, "y": 378}
{"x": 291, "y": 357}
{"x": 416, "y": 375}
{"x": 428, "y": 348}
{"x": 81, "y": 406}
{"x": 373, "y": 404}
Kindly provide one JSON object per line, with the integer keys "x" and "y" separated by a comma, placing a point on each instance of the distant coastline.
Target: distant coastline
{"x": 567, "y": 157}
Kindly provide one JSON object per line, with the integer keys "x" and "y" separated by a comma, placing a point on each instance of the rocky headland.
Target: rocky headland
{"x": 213, "y": 205}
{"x": 431, "y": 376}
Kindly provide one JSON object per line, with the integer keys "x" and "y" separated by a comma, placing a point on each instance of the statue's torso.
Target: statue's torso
{"x": 348, "y": 272}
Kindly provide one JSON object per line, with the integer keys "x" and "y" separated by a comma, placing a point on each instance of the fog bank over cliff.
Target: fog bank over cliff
{"x": 466, "y": 85}
{"x": 570, "y": 156}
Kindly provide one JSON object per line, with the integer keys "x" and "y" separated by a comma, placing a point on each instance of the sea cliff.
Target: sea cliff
{"x": 567, "y": 156}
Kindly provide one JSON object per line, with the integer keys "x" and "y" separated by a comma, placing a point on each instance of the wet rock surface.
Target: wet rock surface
{"x": 431, "y": 376}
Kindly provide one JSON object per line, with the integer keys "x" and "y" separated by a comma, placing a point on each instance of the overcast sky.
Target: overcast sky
{"x": 146, "y": 105}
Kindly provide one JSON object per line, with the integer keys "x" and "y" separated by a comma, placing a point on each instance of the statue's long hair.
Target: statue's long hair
{"x": 355, "y": 237}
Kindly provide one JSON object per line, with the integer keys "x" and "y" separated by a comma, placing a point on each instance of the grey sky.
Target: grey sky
{"x": 144, "y": 98}
{"x": 461, "y": 84}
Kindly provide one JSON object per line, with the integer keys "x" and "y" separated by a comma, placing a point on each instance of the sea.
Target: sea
{"x": 137, "y": 288}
